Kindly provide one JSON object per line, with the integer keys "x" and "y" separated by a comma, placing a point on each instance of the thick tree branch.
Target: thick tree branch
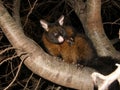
{"x": 37, "y": 61}
{"x": 92, "y": 23}
{"x": 95, "y": 31}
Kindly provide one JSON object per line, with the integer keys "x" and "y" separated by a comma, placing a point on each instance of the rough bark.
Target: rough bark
{"x": 41, "y": 63}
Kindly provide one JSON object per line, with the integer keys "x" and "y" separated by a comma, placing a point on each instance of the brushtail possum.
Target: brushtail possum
{"x": 63, "y": 41}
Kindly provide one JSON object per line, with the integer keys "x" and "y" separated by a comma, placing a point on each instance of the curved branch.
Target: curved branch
{"x": 95, "y": 30}
{"x": 92, "y": 23}
{"x": 41, "y": 63}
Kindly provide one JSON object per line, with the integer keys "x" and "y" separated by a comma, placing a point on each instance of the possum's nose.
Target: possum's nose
{"x": 60, "y": 39}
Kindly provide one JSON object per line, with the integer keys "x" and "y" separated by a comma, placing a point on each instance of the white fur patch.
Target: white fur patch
{"x": 60, "y": 39}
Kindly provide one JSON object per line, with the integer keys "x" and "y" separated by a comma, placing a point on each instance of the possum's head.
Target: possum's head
{"x": 54, "y": 32}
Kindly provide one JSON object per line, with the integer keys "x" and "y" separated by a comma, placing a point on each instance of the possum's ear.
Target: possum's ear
{"x": 44, "y": 24}
{"x": 61, "y": 20}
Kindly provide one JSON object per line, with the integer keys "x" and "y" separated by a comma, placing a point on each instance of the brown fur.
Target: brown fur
{"x": 71, "y": 53}
{"x": 53, "y": 49}
{"x": 80, "y": 50}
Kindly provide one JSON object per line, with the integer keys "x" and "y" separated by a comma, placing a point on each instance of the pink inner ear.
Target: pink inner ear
{"x": 44, "y": 24}
{"x": 61, "y": 20}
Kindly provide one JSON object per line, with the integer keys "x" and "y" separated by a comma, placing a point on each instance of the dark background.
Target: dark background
{"x": 50, "y": 10}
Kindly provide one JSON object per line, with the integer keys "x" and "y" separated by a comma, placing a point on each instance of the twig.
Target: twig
{"x": 116, "y": 22}
{"x": 106, "y": 80}
{"x": 36, "y": 88}
{"x": 30, "y": 13}
{"x": 15, "y": 56}
{"x": 3, "y": 51}
{"x": 16, "y": 10}
{"x": 114, "y": 41}
{"x": 10, "y": 58}
{"x": 28, "y": 81}
{"x": 5, "y": 46}
{"x": 119, "y": 33}
{"x": 19, "y": 67}
{"x": 3, "y": 76}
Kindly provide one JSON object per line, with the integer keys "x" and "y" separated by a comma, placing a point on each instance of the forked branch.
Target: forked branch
{"x": 106, "y": 80}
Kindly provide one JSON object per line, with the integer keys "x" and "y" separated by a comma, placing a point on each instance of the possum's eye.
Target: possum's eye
{"x": 55, "y": 34}
{"x": 62, "y": 32}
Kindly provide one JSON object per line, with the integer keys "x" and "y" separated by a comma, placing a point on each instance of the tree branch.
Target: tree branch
{"x": 41, "y": 63}
{"x": 16, "y": 10}
{"x": 92, "y": 23}
{"x": 106, "y": 80}
{"x": 19, "y": 67}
